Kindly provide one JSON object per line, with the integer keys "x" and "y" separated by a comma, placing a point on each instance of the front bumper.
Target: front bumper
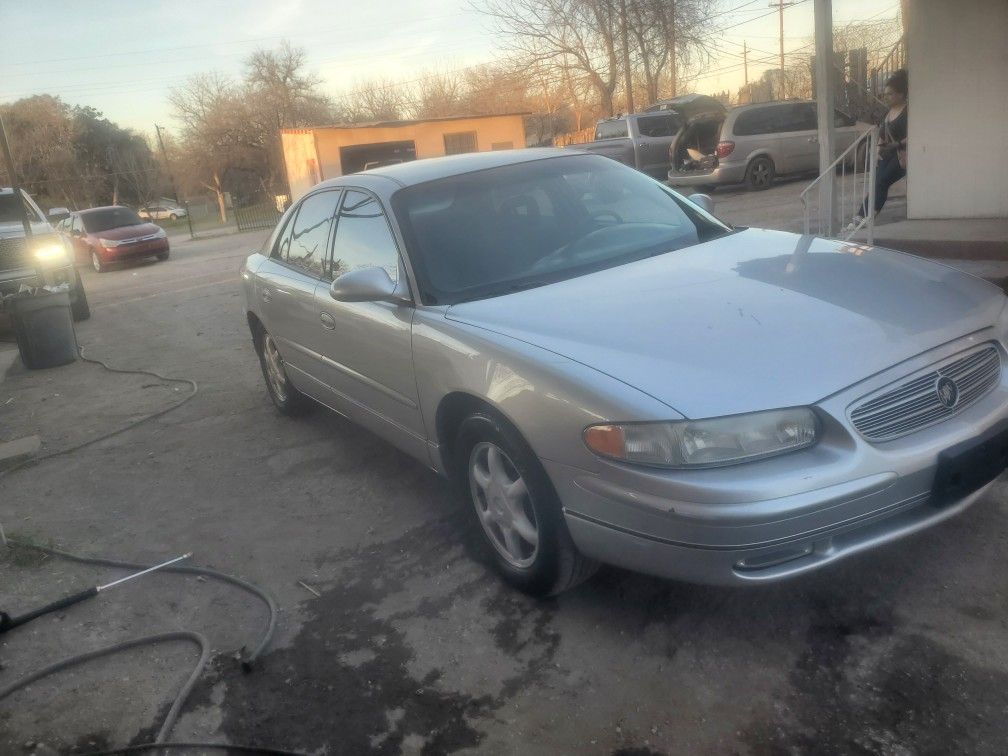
{"x": 131, "y": 251}
{"x": 722, "y": 174}
{"x": 779, "y": 517}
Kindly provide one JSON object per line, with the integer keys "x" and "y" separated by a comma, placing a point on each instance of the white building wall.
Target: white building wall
{"x": 958, "y": 137}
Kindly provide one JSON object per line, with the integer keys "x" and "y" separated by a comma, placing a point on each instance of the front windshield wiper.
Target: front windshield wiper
{"x": 508, "y": 289}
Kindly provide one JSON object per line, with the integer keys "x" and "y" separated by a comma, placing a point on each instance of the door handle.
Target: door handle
{"x": 328, "y": 321}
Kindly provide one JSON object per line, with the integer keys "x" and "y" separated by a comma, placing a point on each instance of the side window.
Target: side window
{"x": 611, "y": 129}
{"x": 800, "y": 117}
{"x": 363, "y": 237}
{"x": 282, "y": 241}
{"x": 756, "y": 121}
{"x": 76, "y": 225}
{"x": 309, "y": 238}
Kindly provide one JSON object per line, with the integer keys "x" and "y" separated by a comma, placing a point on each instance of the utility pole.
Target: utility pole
{"x": 628, "y": 79}
{"x": 672, "y": 48}
{"x": 781, "y": 5}
{"x": 15, "y": 185}
{"x": 745, "y": 61}
{"x": 825, "y": 95}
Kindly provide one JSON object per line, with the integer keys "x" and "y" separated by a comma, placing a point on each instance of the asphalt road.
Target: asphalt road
{"x": 412, "y": 646}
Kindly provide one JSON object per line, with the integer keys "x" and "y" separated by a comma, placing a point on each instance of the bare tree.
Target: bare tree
{"x": 374, "y": 100}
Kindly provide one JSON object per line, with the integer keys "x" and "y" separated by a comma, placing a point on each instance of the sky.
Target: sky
{"x": 123, "y": 58}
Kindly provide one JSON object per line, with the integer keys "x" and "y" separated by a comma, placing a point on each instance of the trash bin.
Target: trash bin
{"x": 44, "y": 329}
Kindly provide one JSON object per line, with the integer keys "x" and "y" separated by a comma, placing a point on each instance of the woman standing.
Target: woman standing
{"x": 892, "y": 143}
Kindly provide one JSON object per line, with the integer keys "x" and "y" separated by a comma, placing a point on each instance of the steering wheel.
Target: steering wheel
{"x": 599, "y": 214}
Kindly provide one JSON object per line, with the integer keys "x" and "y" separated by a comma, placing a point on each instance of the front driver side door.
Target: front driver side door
{"x": 366, "y": 347}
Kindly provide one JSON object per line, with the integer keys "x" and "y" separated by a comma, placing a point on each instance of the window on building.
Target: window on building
{"x": 460, "y": 142}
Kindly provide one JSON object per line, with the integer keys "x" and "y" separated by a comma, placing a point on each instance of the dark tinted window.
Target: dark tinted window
{"x": 798, "y": 117}
{"x": 309, "y": 236}
{"x": 490, "y": 232}
{"x": 110, "y": 217}
{"x": 611, "y": 129}
{"x": 756, "y": 121}
{"x": 363, "y": 238}
{"x": 658, "y": 126}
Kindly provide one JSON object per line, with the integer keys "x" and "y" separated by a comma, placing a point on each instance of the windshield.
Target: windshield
{"x": 10, "y": 212}
{"x": 110, "y": 217}
{"x": 491, "y": 232}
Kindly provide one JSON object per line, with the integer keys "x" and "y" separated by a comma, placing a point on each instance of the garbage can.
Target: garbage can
{"x": 44, "y": 329}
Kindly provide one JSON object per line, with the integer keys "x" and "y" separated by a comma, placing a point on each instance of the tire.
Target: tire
{"x": 759, "y": 174}
{"x": 173, "y": 217}
{"x": 79, "y": 307}
{"x": 287, "y": 399}
{"x": 97, "y": 263}
{"x": 550, "y": 565}
{"x": 161, "y": 256}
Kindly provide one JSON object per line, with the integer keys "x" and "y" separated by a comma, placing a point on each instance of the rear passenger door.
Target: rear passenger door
{"x": 799, "y": 137}
{"x": 366, "y": 347}
{"x": 286, "y": 283}
{"x": 655, "y": 134}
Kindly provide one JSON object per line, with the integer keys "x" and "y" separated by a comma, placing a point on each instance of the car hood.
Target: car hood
{"x": 751, "y": 321}
{"x": 15, "y": 230}
{"x": 127, "y": 232}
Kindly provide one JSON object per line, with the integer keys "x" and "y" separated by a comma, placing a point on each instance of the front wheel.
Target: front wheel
{"x": 79, "y": 307}
{"x": 760, "y": 174}
{"x": 97, "y": 263}
{"x": 161, "y": 256}
{"x": 285, "y": 397}
{"x": 517, "y": 510}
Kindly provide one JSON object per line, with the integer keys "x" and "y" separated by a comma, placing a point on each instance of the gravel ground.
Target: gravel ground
{"x": 411, "y": 646}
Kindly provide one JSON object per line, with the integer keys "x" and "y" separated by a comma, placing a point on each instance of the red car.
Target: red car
{"x": 112, "y": 234}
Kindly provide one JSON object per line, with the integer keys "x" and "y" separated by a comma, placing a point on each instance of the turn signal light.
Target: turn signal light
{"x": 607, "y": 440}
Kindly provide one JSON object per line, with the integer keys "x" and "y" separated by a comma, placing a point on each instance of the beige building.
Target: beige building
{"x": 316, "y": 154}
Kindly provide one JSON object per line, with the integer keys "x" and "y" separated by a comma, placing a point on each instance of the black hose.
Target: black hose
{"x": 31, "y": 462}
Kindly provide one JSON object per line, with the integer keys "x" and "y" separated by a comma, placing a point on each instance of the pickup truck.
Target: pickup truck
{"x": 643, "y": 140}
{"x": 44, "y": 259}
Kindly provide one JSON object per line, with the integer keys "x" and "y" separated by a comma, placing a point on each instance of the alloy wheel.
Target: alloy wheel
{"x": 503, "y": 505}
{"x": 275, "y": 368}
{"x": 761, "y": 174}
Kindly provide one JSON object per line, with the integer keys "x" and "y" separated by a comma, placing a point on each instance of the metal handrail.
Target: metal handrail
{"x": 868, "y": 139}
{"x": 898, "y": 49}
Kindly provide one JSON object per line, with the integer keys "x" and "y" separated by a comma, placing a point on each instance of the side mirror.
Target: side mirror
{"x": 702, "y": 200}
{"x": 365, "y": 285}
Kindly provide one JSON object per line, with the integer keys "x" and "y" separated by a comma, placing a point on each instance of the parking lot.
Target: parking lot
{"x": 411, "y": 645}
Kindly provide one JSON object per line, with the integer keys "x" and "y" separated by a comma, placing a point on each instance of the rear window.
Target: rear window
{"x": 658, "y": 126}
{"x": 110, "y": 217}
{"x": 611, "y": 129}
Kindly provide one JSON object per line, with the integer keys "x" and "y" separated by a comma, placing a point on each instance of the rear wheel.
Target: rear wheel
{"x": 287, "y": 399}
{"x": 79, "y": 307}
{"x": 517, "y": 510}
{"x": 760, "y": 174}
{"x": 97, "y": 263}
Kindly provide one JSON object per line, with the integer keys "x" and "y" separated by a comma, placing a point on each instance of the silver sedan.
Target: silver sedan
{"x": 608, "y": 373}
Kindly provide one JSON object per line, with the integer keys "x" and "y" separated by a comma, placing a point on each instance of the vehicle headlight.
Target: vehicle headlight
{"x": 109, "y": 242}
{"x": 706, "y": 443}
{"x": 161, "y": 234}
{"x": 51, "y": 253}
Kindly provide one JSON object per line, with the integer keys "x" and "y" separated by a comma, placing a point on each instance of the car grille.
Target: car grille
{"x": 13, "y": 253}
{"x": 915, "y": 404}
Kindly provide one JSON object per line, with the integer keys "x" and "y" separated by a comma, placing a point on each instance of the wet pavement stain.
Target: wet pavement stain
{"x": 348, "y": 683}
{"x": 861, "y": 688}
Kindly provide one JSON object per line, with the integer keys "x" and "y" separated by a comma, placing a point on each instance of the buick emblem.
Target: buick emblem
{"x": 948, "y": 392}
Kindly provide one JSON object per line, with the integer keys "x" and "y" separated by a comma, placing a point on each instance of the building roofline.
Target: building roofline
{"x": 400, "y": 124}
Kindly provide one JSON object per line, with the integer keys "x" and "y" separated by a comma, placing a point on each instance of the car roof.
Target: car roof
{"x": 431, "y": 169}
{"x": 757, "y": 105}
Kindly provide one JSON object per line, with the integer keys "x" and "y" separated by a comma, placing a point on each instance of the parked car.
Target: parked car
{"x": 106, "y": 235}
{"x": 162, "y": 212}
{"x": 643, "y": 140}
{"x": 753, "y": 144}
{"x": 22, "y": 260}
{"x": 607, "y": 372}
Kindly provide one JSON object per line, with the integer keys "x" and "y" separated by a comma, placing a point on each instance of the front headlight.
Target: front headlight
{"x": 706, "y": 443}
{"x": 109, "y": 242}
{"x": 51, "y": 253}
{"x": 161, "y": 234}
